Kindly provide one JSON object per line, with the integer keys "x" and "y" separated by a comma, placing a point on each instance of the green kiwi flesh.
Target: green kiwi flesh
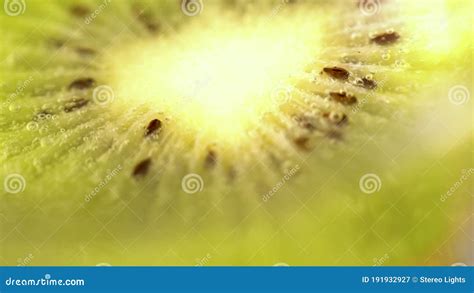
{"x": 104, "y": 184}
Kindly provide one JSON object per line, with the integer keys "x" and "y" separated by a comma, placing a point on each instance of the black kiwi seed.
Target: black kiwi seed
{"x": 75, "y": 104}
{"x": 337, "y": 72}
{"x": 335, "y": 135}
{"x": 86, "y": 52}
{"x": 147, "y": 20}
{"x": 82, "y": 84}
{"x": 302, "y": 142}
{"x": 306, "y": 122}
{"x": 211, "y": 159}
{"x": 142, "y": 168}
{"x": 387, "y": 38}
{"x": 153, "y": 127}
{"x": 232, "y": 174}
{"x": 152, "y": 27}
{"x": 343, "y": 98}
{"x": 366, "y": 83}
{"x": 80, "y": 10}
{"x": 230, "y": 3}
{"x": 56, "y": 43}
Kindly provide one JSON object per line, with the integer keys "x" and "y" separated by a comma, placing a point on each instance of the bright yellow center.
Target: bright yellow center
{"x": 219, "y": 77}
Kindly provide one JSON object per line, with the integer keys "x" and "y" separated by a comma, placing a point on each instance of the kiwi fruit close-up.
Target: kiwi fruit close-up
{"x": 236, "y": 132}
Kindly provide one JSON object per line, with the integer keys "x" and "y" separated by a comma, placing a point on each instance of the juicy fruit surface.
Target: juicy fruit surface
{"x": 298, "y": 132}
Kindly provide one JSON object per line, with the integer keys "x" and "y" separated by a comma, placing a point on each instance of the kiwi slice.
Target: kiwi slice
{"x": 235, "y": 132}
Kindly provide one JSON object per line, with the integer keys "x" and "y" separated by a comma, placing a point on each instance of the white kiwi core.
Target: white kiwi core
{"x": 218, "y": 77}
